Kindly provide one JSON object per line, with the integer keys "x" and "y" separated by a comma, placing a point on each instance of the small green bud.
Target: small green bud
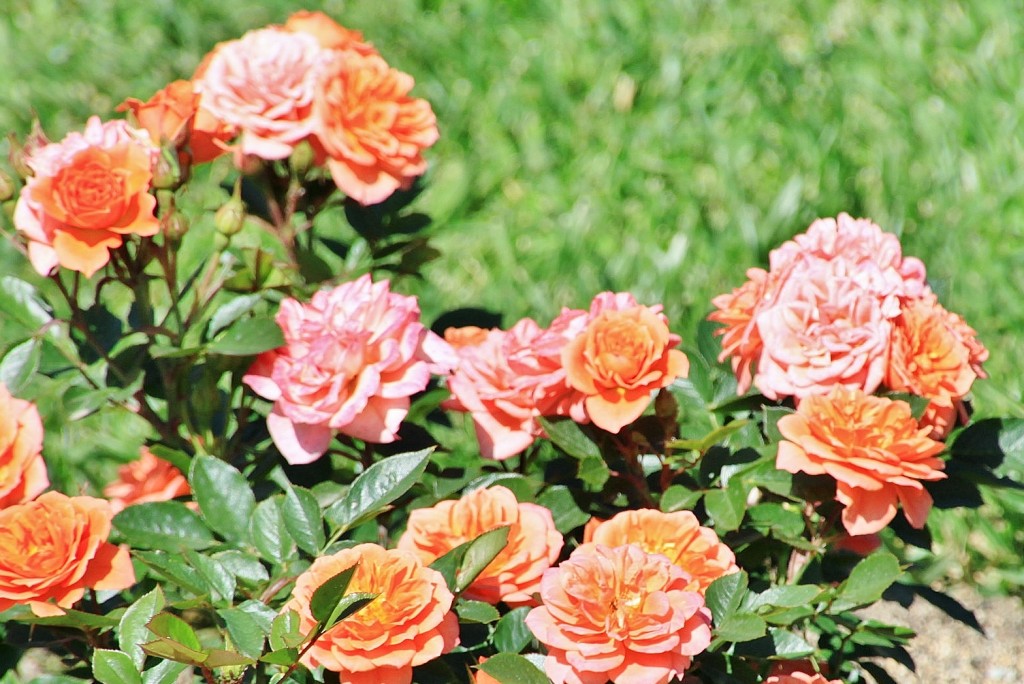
{"x": 7, "y": 187}
{"x": 167, "y": 172}
{"x": 302, "y": 159}
{"x": 230, "y": 218}
{"x": 173, "y": 226}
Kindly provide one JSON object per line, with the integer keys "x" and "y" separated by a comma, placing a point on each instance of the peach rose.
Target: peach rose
{"x": 408, "y": 624}
{"x": 22, "y": 469}
{"x": 55, "y": 548}
{"x": 737, "y": 312}
{"x": 621, "y": 614}
{"x": 801, "y": 678}
{"x": 147, "y": 479}
{"x": 503, "y": 408}
{"x": 371, "y": 129}
{"x": 622, "y": 356}
{"x": 825, "y": 330}
{"x": 329, "y": 33}
{"x": 173, "y": 115}
{"x": 88, "y": 191}
{"x": 872, "y": 446}
{"x": 467, "y": 336}
{"x": 677, "y": 536}
{"x": 514, "y": 575}
{"x": 263, "y": 85}
{"x": 539, "y": 367}
{"x": 352, "y": 358}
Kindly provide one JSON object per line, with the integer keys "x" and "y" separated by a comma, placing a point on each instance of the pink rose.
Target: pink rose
{"x": 264, "y": 84}
{"x": 352, "y": 358}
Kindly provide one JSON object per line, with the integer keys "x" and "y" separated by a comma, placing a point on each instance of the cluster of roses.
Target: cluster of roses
{"x": 839, "y": 315}
{"x": 54, "y": 547}
{"x": 310, "y": 82}
{"x": 627, "y": 605}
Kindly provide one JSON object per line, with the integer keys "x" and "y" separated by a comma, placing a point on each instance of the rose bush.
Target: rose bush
{"x": 330, "y": 488}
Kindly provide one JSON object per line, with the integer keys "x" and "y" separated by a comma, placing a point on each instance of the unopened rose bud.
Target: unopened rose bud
{"x": 7, "y": 187}
{"x": 173, "y": 226}
{"x": 167, "y": 173}
{"x": 302, "y": 158}
{"x": 230, "y": 218}
{"x": 248, "y": 164}
{"x": 21, "y": 152}
{"x": 17, "y": 156}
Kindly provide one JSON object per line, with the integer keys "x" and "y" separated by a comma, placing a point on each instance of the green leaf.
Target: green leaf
{"x": 327, "y": 596}
{"x": 783, "y": 521}
{"x": 164, "y": 672}
{"x": 114, "y": 667}
{"x": 220, "y": 581}
{"x": 303, "y": 519}
{"x": 284, "y": 631}
{"x": 282, "y": 656}
{"x": 174, "y": 568}
{"x": 218, "y": 657}
{"x": 570, "y": 438}
{"x": 479, "y": 555}
{"x": 511, "y": 668}
{"x": 243, "y": 566}
{"x": 511, "y": 635}
{"x": 21, "y": 302}
{"x": 169, "y": 649}
{"x": 224, "y": 496}
{"x": 349, "y": 605}
{"x": 132, "y": 629}
{"x": 868, "y": 581}
{"x": 164, "y": 525}
{"x": 679, "y": 498}
{"x": 75, "y": 619}
{"x": 231, "y": 311}
{"x": 564, "y": 509}
{"x": 593, "y": 472}
{"x": 20, "y": 363}
{"x": 248, "y": 337}
{"x": 172, "y": 627}
{"x": 377, "y": 487}
{"x": 476, "y": 611}
{"x": 785, "y": 596}
{"x": 726, "y": 506}
{"x": 723, "y": 596}
{"x": 788, "y": 644}
{"x": 246, "y": 634}
{"x": 739, "y": 627}
{"x": 995, "y": 443}
{"x": 268, "y": 532}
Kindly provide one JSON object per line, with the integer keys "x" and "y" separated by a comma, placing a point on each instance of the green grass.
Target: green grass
{"x": 660, "y": 147}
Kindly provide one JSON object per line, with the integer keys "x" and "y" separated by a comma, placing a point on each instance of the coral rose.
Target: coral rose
{"x": 88, "y": 191}
{"x": 622, "y": 356}
{"x": 621, "y": 614}
{"x": 408, "y": 624}
{"x": 22, "y": 469}
{"x": 372, "y": 131}
{"x": 539, "y": 367}
{"x": 677, "y": 536}
{"x": 826, "y": 330}
{"x": 329, "y": 33}
{"x": 173, "y": 115}
{"x": 801, "y": 678}
{"x": 737, "y": 312}
{"x": 147, "y": 479}
{"x": 484, "y": 385}
{"x": 352, "y": 358}
{"x": 872, "y": 446}
{"x": 263, "y": 84}
{"x": 54, "y": 548}
{"x": 514, "y": 575}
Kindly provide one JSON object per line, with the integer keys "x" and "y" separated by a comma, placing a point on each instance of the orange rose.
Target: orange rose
{"x": 514, "y": 575}
{"x": 55, "y": 548}
{"x": 173, "y": 114}
{"x": 619, "y": 614}
{"x": 373, "y": 132}
{"x": 408, "y": 624}
{"x": 677, "y": 536}
{"x": 147, "y": 479}
{"x": 797, "y": 672}
{"x": 622, "y": 356}
{"x": 22, "y": 469}
{"x": 737, "y": 312}
{"x": 872, "y": 446}
{"x": 89, "y": 191}
{"x": 329, "y": 33}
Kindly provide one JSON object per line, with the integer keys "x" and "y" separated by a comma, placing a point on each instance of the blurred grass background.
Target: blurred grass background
{"x": 660, "y": 147}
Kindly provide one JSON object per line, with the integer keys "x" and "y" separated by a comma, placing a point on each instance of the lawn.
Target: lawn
{"x": 660, "y": 147}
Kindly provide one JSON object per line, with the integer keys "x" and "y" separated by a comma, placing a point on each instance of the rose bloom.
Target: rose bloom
{"x": 514, "y": 575}
{"x": 173, "y": 115}
{"x": 372, "y": 131}
{"x": 263, "y": 84}
{"x": 539, "y": 368}
{"x": 872, "y": 446}
{"x": 825, "y": 330}
{"x": 801, "y": 678}
{"x": 88, "y": 191}
{"x": 737, "y": 312}
{"x": 55, "y": 548}
{"x": 408, "y": 624}
{"x": 624, "y": 354}
{"x": 677, "y": 536}
{"x": 619, "y": 613}
{"x": 483, "y": 384}
{"x": 329, "y": 33}
{"x": 147, "y": 479}
{"x": 22, "y": 469}
{"x": 352, "y": 358}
